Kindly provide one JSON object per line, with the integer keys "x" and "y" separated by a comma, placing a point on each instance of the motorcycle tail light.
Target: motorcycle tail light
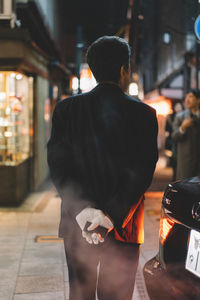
{"x": 166, "y": 225}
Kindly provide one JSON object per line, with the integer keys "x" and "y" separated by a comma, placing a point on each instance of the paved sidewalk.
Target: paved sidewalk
{"x": 31, "y": 269}
{"x": 32, "y": 259}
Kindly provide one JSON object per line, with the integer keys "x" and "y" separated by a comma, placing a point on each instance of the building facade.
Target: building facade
{"x": 166, "y": 58}
{"x": 166, "y": 40}
{"x": 32, "y": 75}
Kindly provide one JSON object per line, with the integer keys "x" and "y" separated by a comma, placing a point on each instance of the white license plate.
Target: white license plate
{"x": 193, "y": 255}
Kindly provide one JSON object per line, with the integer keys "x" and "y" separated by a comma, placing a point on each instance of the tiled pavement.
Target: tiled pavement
{"x": 31, "y": 270}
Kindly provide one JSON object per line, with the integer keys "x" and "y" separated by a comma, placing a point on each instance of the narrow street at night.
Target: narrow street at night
{"x": 32, "y": 258}
{"x": 99, "y": 143}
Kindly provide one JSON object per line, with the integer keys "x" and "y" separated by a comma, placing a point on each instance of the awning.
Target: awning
{"x": 173, "y": 86}
{"x": 32, "y": 19}
{"x": 172, "y": 93}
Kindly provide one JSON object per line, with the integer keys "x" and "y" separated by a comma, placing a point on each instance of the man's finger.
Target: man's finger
{"x": 89, "y": 240}
{"x": 107, "y": 223}
{"x": 95, "y": 238}
{"x": 93, "y": 226}
{"x": 87, "y": 237}
{"x": 84, "y": 233}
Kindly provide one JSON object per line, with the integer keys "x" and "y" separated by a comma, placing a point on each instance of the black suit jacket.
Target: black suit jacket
{"x": 102, "y": 152}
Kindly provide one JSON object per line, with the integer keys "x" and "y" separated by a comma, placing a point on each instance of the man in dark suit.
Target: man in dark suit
{"x": 186, "y": 135}
{"x": 102, "y": 155}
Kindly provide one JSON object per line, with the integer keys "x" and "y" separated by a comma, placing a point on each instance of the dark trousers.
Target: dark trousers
{"x": 118, "y": 265}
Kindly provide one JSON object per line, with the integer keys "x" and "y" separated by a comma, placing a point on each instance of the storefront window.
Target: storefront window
{"x": 16, "y": 117}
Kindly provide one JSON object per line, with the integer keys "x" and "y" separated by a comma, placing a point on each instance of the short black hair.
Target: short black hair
{"x": 106, "y": 55}
{"x": 195, "y": 92}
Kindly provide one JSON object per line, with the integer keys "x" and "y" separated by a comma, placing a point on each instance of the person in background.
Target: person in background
{"x": 170, "y": 146}
{"x": 186, "y": 134}
{"x": 102, "y": 155}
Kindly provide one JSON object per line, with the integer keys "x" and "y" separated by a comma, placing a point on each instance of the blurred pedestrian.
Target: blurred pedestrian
{"x": 186, "y": 133}
{"x": 102, "y": 154}
{"x": 170, "y": 145}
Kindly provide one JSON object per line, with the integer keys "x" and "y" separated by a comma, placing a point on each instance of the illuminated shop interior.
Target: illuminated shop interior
{"x": 16, "y": 117}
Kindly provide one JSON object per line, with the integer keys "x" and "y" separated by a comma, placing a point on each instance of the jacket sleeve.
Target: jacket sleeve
{"x": 138, "y": 174}
{"x": 60, "y": 161}
{"x": 176, "y": 134}
{"x": 58, "y": 149}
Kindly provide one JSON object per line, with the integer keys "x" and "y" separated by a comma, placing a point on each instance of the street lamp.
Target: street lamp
{"x": 133, "y": 89}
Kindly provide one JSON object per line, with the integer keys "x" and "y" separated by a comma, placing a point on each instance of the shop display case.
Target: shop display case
{"x": 16, "y": 132}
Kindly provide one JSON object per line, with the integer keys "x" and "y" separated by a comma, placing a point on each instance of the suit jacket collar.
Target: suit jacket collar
{"x": 108, "y": 86}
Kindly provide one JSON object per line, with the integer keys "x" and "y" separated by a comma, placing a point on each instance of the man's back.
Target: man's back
{"x": 109, "y": 147}
{"x": 102, "y": 154}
